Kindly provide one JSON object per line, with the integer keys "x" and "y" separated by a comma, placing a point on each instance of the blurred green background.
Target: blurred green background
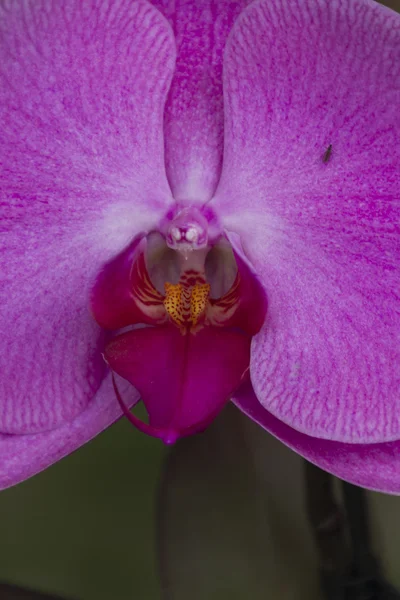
{"x": 85, "y": 527}
{"x": 233, "y": 524}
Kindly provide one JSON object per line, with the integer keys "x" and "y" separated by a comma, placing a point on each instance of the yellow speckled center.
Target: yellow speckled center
{"x": 185, "y": 304}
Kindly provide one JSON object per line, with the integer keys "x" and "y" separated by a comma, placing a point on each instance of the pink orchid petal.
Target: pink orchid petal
{"x": 22, "y": 456}
{"x": 194, "y": 116}
{"x": 373, "y": 466}
{"x": 82, "y": 93}
{"x": 322, "y": 232}
{"x": 184, "y": 380}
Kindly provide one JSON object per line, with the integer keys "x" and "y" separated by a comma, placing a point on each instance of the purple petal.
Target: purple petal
{"x": 373, "y": 466}
{"x": 184, "y": 380}
{"x": 82, "y": 91}
{"x": 22, "y": 456}
{"x": 194, "y": 116}
{"x": 321, "y": 231}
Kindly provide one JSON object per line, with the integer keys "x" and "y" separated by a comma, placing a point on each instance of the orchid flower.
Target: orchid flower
{"x": 200, "y": 202}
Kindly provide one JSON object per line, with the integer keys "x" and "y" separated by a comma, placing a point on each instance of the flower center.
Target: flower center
{"x": 186, "y": 302}
{"x": 191, "y": 307}
{"x": 183, "y": 282}
{"x": 187, "y": 230}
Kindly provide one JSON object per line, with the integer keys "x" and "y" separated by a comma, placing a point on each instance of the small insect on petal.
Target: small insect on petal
{"x": 327, "y": 154}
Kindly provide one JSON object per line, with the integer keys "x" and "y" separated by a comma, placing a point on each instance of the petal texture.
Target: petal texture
{"x": 311, "y": 183}
{"x": 22, "y": 456}
{"x": 372, "y": 466}
{"x": 82, "y": 91}
{"x": 194, "y": 117}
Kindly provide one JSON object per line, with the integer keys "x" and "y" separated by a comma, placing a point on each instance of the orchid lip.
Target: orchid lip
{"x": 169, "y": 435}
